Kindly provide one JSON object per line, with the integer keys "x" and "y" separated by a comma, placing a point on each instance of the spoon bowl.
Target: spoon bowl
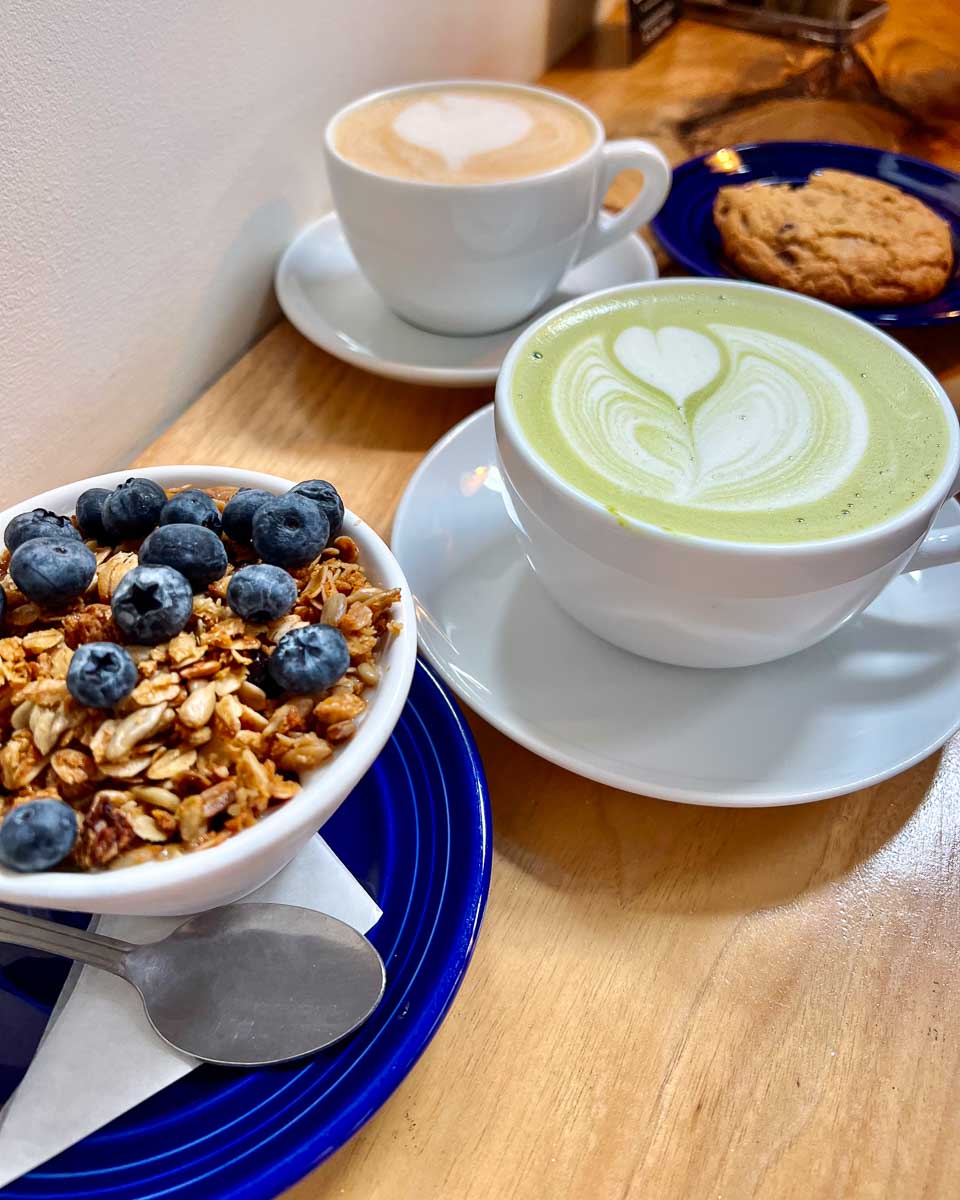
{"x": 245, "y": 986}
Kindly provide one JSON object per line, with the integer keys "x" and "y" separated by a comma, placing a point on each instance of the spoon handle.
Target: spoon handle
{"x": 23, "y": 929}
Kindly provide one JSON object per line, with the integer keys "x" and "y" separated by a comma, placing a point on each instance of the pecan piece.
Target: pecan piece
{"x": 94, "y": 623}
{"x": 215, "y": 799}
{"x": 104, "y": 833}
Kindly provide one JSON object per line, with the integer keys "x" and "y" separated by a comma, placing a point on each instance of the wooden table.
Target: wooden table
{"x": 667, "y": 1002}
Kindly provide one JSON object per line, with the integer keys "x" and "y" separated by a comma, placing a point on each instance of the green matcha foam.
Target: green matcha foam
{"x": 728, "y": 414}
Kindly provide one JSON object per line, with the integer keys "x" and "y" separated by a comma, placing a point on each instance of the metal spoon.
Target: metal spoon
{"x": 243, "y": 986}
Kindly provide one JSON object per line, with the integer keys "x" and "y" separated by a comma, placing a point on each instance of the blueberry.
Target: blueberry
{"x": 289, "y": 530}
{"x": 152, "y": 604}
{"x": 327, "y": 496}
{"x": 3, "y": 604}
{"x": 261, "y": 593}
{"x": 309, "y": 659}
{"x": 51, "y": 570}
{"x": 238, "y": 514}
{"x": 191, "y": 507}
{"x": 38, "y": 523}
{"x": 258, "y": 673}
{"x": 133, "y": 509}
{"x": 101, "y": 674}
{"x": 37, "y": 835}
{"x": 90, "y": 513}
{"x": 192, "y": 550}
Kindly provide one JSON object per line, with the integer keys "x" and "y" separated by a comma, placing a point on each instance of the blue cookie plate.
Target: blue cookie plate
{"x": 685, "y": 223}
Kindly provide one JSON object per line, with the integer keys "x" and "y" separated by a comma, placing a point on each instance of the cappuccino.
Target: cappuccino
{"x": 463, "y": 134}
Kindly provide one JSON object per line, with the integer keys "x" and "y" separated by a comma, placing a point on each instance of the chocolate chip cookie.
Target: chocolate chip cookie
{"x": 840, "y": 237}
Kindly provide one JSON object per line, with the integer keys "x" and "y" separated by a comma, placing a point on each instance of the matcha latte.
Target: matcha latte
{"x": 727, "y": 413}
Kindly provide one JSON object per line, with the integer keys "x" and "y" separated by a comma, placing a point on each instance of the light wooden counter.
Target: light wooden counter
{"x": 667, "y": 1002}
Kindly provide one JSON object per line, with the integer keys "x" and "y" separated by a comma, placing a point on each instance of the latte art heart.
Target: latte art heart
{"x": 457, "y": 127}
{"x": 774, "y": 424}
{"x": 672, "y": 360}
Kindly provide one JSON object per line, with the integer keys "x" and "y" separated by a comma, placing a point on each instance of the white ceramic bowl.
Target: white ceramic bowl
{"x": 200, "y": 881}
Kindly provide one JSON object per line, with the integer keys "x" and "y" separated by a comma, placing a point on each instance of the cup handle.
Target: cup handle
{"x": 939, "y": 547}
{"x": 625, "y": 155}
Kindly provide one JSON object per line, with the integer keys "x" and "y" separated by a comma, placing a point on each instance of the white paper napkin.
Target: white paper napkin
{"x": 99, "y": 1057}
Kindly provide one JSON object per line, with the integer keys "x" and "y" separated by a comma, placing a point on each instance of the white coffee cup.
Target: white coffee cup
{"x": 701, "y": 602}
{"x": 476, "y": 258}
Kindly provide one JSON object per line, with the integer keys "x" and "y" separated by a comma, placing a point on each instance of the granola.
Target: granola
{"x": 203, "y": 746}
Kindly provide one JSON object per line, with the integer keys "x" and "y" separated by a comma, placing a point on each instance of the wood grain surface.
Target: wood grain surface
{"x": 666, "y": 1002}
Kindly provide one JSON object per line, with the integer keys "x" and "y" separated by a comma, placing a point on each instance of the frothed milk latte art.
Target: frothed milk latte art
{"x": 729, "y": 415}
{"x": 463, "y": 134}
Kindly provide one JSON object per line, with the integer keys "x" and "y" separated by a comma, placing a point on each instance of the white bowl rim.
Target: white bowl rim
{"x": 85, "y": 891}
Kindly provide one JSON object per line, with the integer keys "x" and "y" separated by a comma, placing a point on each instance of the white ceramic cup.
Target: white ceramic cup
{"x": 479, "y": 257}
{"x": 700, "y": 602}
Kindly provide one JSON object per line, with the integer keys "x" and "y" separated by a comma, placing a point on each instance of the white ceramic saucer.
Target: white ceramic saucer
{"x": 877, "y": 697}
{"x": 324, "y": 294}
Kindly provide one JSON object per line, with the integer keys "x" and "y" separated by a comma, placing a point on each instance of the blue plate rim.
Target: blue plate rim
{"x": 903, "y": 318}
{"x": 342, "y": 1128}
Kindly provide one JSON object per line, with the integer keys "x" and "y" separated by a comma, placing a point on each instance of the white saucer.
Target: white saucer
{"x": 877, "y": 697}
{"x": 324, "y": 294}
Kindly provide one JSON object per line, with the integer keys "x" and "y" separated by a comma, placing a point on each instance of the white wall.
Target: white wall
{"x": 155, "y": 157}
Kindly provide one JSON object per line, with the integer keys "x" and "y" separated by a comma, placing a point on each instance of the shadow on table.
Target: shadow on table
{"x": 647, "y": 855}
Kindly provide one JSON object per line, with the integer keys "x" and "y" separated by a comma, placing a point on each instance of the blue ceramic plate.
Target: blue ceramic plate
{"x": 416, "y": 832}
{"x": 685, "y": 224}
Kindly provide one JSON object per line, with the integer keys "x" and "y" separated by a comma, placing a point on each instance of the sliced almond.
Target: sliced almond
{"x": 156, "y": 797}
{"x": 137, "y": 727}
{"x": 163, "y": 687}
{"x": 145, "y": 827}
{"x": 171, "y": 764}
{"x": 197, "y": 709}
{"x": 229, "y": 681}
{"x": 42, "y": 639}
{"x": 184, "y": 649}
{"x": 251, "y": 695}
{"x": 46, "y": 725}
{"x": 126, "y": 768}
{"x": 227, "y": 716}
